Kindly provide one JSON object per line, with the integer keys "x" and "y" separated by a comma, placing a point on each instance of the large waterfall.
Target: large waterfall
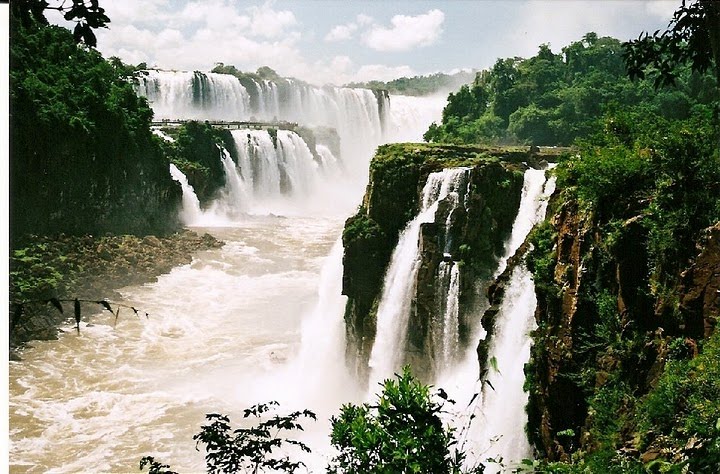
{"x": 259, "y": 319}
{"x": 492, "y": 426}
{"x": 262, "y": 318}
{"x": 498, "y": 431}
{"x": 359, "y": 115}
{"x": 281, "y": 174}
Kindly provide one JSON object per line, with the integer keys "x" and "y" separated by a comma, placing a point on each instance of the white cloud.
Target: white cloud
{"x": 663, "y": 9}
{"x": 270, "y": 23}
{"x": 406, "y": 32}
{"x": 341, "y": 32}
{"x": 363, "y": 19}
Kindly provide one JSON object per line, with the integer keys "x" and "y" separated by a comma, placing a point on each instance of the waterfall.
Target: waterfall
{"x": 190, "y": 204}
{"x": 498, "y": 433}
{"x": 447, "y": 338}
{"x": 194, "y": 95}
{"x": 321, "y": 360}
{"x": 398, "y": 289}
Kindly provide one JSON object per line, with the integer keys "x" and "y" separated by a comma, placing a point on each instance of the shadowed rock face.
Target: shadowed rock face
{"x": 473, "y": 234}
{"x": 567, "y": 315}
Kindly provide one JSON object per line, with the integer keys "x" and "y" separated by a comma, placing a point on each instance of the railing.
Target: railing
{"x": 230, "y": 125}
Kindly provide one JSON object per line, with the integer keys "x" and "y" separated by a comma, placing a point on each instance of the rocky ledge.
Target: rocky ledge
{"x": 87, "y": 267}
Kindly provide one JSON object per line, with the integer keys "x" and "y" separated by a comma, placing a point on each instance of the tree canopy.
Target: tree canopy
{"x": 556, "y": 98}
{"x": 692, "y": 37}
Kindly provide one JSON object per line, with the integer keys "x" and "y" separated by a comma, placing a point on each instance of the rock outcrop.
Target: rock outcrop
{"x": 471, "y": 236}
{"x": 600, "y": 329}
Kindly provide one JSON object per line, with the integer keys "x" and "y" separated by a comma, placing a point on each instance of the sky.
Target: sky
{"x": 324, "y": 41}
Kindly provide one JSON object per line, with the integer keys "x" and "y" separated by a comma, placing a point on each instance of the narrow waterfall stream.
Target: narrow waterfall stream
{"x": 498, "y": 432}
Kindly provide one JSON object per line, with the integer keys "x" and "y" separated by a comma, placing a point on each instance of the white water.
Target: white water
{"x": 190, "y": 211}
{"x": 171, "y": 96}
{"x": 498, "y": 431}
{"x": 448, "y": 336}
{"x": 394, "y": 309}
{"x": 223, "y": 333}
{"x": 260, "y": 319}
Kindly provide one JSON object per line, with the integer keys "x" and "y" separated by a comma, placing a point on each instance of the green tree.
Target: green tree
{"x": 87, "y": 16}
{"x": 402, "y": 432}
{"x": 252, "y": 449}
{"x": 83, "y": 157}
{"x": 693, "y": 36}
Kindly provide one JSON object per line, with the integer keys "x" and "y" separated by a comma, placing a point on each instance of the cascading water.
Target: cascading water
{"x": 194, "y": 95}
{"x": 498, "y": 432}
{"x": 447, "y": 337}
{"x": 240, "y": 325}
{"x": 190, "y": 211}
{"x": 396, "y": 301}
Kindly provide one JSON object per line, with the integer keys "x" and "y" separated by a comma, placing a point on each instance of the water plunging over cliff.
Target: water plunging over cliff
{"x": 254, "y": 321}
{"x": 388, "y": 352}
{"x": 275, "y": 174}
{"x": 498, "y": 432}
{"x": 190, "y": 211}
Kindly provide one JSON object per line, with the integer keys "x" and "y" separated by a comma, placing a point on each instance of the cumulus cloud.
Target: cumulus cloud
{"x": 270, "y": 23}
{"x": 341, "y": 32}
{"x": 204, "y": 32}
{"x": 347, "y": 31}
{"x": 406, "y": 32}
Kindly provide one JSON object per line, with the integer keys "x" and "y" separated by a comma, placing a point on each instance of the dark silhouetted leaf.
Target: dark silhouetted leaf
{"x": 117, "y": 315}
{"x": 56, "y": 302}
{"x": 106, "y": 305}
{"x": 475, "y": 395}
{"x": 491, "y": 385}
{"x": 77, "y": 315}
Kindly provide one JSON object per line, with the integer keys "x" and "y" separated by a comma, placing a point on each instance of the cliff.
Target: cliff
{"x": 470, "y": 236}
{"x": 624, "y": 370}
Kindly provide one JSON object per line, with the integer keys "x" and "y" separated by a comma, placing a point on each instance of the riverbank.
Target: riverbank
{"x": 86, "y": 267}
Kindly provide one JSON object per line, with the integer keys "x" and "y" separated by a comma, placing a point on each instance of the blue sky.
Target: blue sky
{"x": 325, "y": 41}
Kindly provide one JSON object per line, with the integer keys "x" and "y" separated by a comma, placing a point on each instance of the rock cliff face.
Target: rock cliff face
{"x": 603, "y": 339}
{"x": 471, "y": 236}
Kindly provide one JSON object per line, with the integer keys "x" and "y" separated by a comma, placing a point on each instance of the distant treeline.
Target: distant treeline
{"x": 421, "y": 85}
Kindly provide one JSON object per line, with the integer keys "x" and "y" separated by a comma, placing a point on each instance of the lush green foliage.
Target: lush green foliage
{"x": 693, "y": 36}
{"x": 684, "y": 410}
{"x": 553, "y": 99}
{"x": 643, "y": 188}
{"x": 83, "y": 157}
{"x": 402, "y": 432}
{"x": 666, "y": 172}
{"x": 420, "y": 85}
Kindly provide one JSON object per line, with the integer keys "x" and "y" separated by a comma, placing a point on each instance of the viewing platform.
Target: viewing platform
{"x": 229, "y": 125}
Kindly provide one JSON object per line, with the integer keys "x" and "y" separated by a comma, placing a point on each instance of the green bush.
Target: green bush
{"x": 682, "y": 413}
{"x": 402, "y": 432}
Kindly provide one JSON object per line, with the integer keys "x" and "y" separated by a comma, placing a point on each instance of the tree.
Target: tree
{"x": 86, "y": 15}
{"x": 251, "y": 449}
{"x": 403, "y": 432}
{"x": 693, "y": 36}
